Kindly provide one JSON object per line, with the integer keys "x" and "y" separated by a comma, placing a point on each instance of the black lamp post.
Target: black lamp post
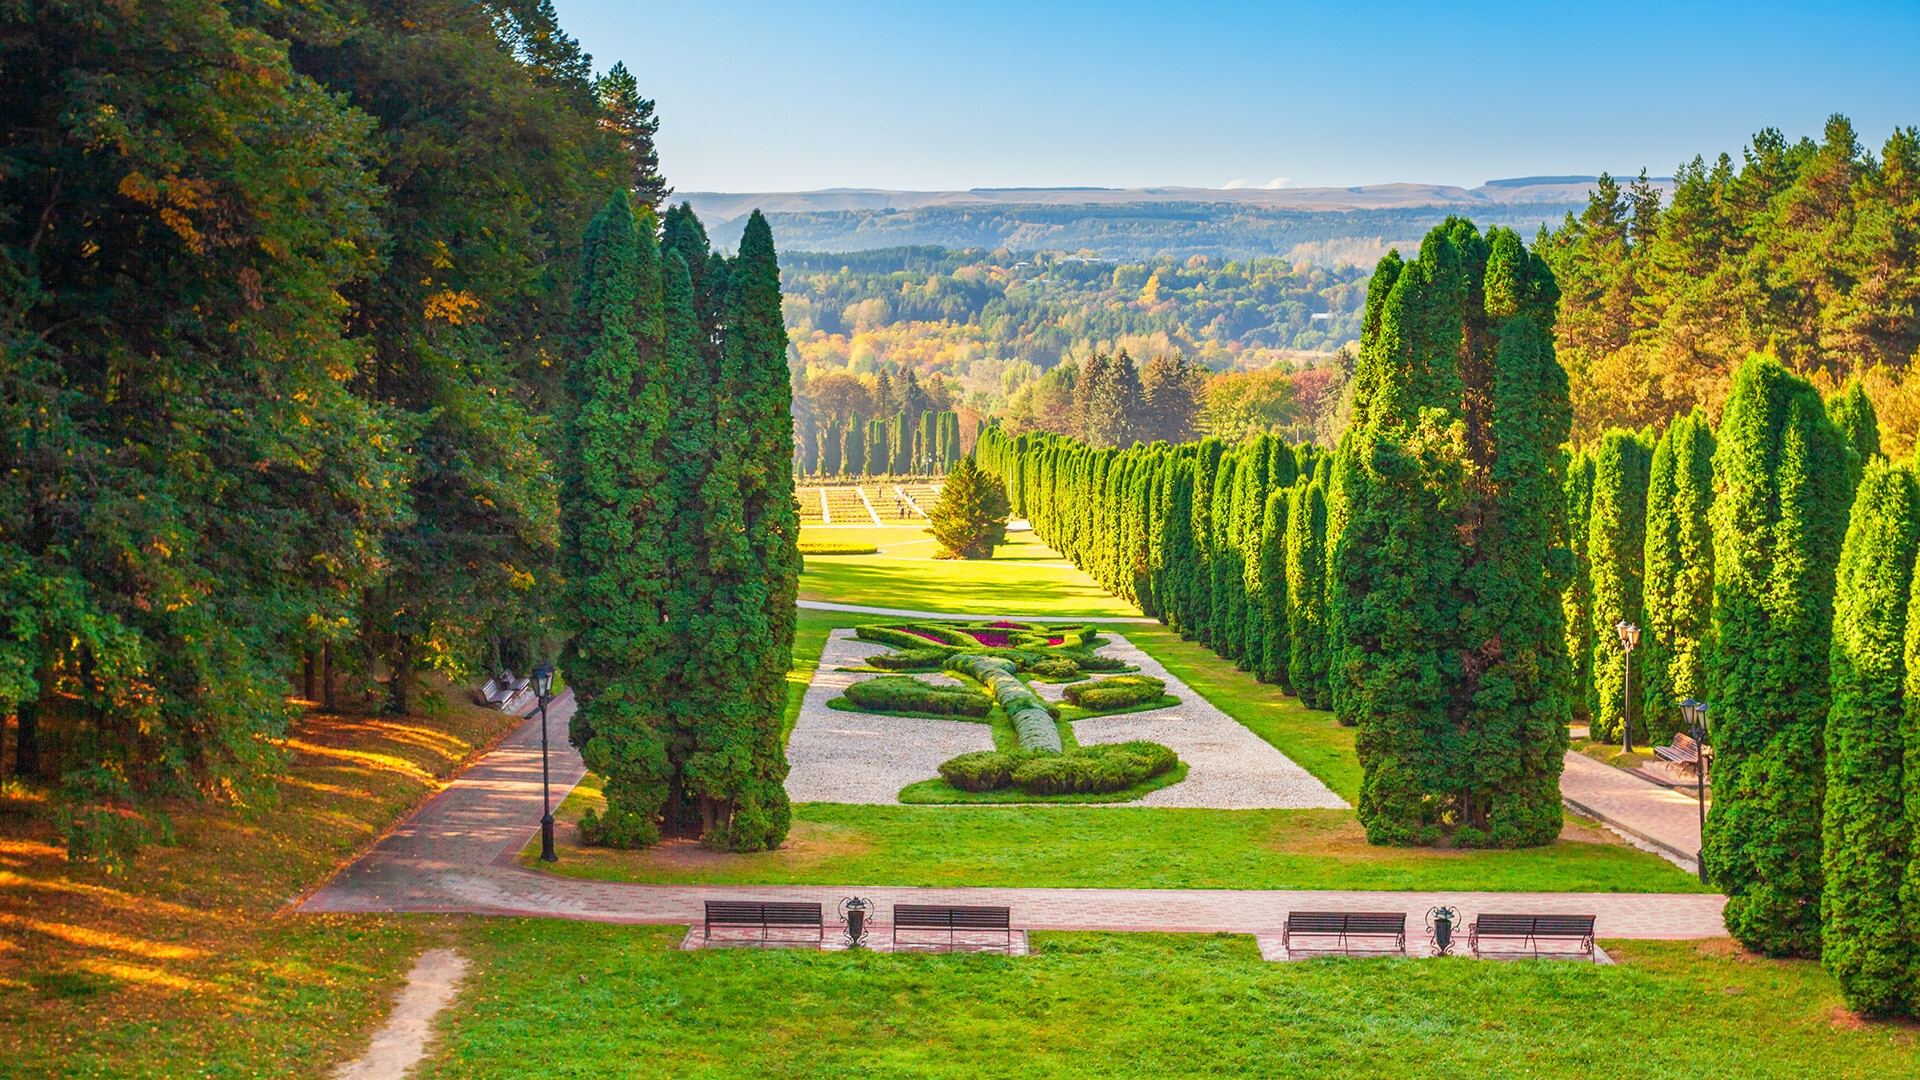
{"x": 542, "y": 689}
{"x": 1695, "y": 714}
{"x": 1629, "y": 640}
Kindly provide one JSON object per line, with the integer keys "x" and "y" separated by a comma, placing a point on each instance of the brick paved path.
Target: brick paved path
{"x": 1663, "y": 817}
{"x": 457, "y": 854}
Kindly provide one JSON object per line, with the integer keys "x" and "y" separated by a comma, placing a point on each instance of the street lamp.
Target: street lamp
{"x": 542, "y": 691}
{"x": 1695, "y": 714}
{"x": 1629, "y": 640}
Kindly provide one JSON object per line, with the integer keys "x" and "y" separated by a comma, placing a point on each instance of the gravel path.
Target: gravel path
{"x": 850, "y": 757}
{"x": 863, "y": 758}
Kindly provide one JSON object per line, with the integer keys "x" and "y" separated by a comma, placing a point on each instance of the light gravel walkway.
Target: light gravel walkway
{"x": 849, "y": 757}
{"x": 852, "y": 757}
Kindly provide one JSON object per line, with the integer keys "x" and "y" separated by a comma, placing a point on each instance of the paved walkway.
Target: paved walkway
{"x": 1659, "y": 817}
{"x": 457, "y": 854}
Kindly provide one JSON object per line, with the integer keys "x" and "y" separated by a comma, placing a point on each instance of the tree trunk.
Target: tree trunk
{"x": 326, "y": 676}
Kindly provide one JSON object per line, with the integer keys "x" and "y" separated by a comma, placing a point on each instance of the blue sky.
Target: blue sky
{"x": 761, "y": 96}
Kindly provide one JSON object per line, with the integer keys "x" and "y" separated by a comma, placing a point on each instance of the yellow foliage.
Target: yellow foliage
{"x": 450, "y": 306}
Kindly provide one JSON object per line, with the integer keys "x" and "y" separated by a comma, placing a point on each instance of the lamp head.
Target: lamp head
{"x": 1629, "y": 634}
{"x": 543, "y": 679}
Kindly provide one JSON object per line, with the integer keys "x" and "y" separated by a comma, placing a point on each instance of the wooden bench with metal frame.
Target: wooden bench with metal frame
{"x": 953, "y": 920}
{"x": 1531, "y": 930}
{"x": 1344, "y": 926}
{"x": 765, "y": 914}
{"x": 1684, "y": 752}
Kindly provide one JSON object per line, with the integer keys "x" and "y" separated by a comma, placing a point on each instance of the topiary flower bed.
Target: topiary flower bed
{"x": 905, "y": 694}
{"x": 1119, "y": 692}
{"x": 1031, "y": 718}
{"x": 1086, "y": 770}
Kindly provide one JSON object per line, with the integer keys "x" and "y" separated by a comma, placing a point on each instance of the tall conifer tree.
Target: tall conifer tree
{"x": 1448, "y": 569}
{"x": 1576, "y": 601}
{"x": 1276, "y": 639}
{"x": 1307, "y": 629}
{"x": 1867, "y": 837}
{"x": 1679, "y": 573}
{"x": 1782, "y": 486}
{"x": 1616, "y": 543}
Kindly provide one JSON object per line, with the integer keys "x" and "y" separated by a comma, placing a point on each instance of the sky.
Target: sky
{"x": 797, "y": 96}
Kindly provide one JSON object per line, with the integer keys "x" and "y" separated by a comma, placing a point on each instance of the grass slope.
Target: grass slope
{"x": 580, "y": 997}
{"x": 1025, "y": 577}
{"x": 184, "y": 964}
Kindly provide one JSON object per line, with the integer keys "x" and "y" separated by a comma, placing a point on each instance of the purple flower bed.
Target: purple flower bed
{"x": 992, "y": 639}
{"x": 924, "y": 634}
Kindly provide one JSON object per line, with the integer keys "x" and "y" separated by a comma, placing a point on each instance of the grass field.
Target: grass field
{"x": 185, "y": 963}
{"x": 1025, "y": 577}
{"x": 583, "y": 999}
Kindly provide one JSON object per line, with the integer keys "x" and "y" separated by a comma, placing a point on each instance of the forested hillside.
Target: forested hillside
{"x": 997, "y": 320}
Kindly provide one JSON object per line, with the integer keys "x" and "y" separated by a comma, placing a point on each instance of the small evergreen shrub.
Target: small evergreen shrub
{"x": 902, "y": 693}
{"x": 928, "y": 659}
{"x": 1087, "y": 770}
{"x": 1119, "y": 692}
{"x": 1032, "y": 720}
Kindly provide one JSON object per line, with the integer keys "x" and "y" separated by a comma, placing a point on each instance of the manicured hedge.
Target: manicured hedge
{"x": 1119, "y": 692}
{"x": 1031, "y": 718}
{"x": 902, "y": 693}
{"x": 930, "y": 658}
{"x": 1087, "y": 770}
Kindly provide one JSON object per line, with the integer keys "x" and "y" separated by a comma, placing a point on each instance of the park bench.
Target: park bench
{"x": 500, "y": 690}
{"x": 765, "y": 914}
{"x": 1530, "y": 931}
{"x": 953, "y": 920}
{"x": 1344, "y": 927}
{"x": 1684, "y": 752}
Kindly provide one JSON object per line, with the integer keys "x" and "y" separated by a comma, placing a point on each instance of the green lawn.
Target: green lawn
{"x": 1025, "y": 577}
{"x": 583, "y": 999}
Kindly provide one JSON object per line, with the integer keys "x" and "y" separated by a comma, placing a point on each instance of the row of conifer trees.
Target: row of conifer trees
{"x": 680, "y": 532}
{"x": 895, "y": 446}
{"x": 1451, "y": 577}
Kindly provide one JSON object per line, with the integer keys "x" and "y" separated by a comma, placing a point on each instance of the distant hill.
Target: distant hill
{"x": 1327, "y": 226}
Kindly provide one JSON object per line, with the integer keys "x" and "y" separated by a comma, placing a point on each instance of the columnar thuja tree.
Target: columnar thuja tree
{"x": 1199, "y": 572}
{"x": 615, "y": 546}
{"x": 1307, "y": 630}
{"x": 1867, "y": 923}
{"x": 1782, "y": 485}
{"x": 681, "y": 535}
{"x": 1616, "y": 535}
{"x": 1576, "y": 601}
{"x": 1679, "y": 573}
{"x": 1852, "y": 412}
{"x": 1449, "y": 565}
{"x": 1250, "y": 511}
{"x": 1276, "y": 640}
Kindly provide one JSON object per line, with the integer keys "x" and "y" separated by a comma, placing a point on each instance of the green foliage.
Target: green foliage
{"x": 931, "y": 658}
{"x": 1032, "y": 720}
{"x": 1867, "y": 837}
{"x": 1782, "y": 484}
{"x": 1092, "y": 770}
{"x": 1275, "y": 587}
{"x": 1119, "y": 692}
{"x": 970, "y": 519}
{"x": 1576, "y": 600}
{"x": 982, "y": 770}
{"x": 1616, "y": 542}
{"x": 905, "y": 694}
{"x": 1679, "y": 574}
{"x": 1852, "y": 412}
{"x": 1447, "y": 570}
{"x": 1308, "y": 655}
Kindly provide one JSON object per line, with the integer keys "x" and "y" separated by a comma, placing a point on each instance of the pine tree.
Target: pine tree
{"x": 970, "y": 519}
{"x": 1447, "y": 572}
{"x": 616, "y": 530}
{"x": 1306, "y": 594}
{"x": 1781, "y": 492}
{"x": 1679, "y": 573}
{"x": 1616, "y": 541}
{"x": 630, "y": 117}
{"x": 1867, "y": 837}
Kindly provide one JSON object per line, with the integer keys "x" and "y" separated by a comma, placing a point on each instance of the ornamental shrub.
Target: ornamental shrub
{"x": 1865, "y": 937}
{"x": 1616, "y": 543}
{"x": 903, "y": 693}
{"x": 1782, "y": 481}
{"x": 1119, "y": 692}
{"x": 971, "y": 517}
{"x": 1092, "y": 770}
{"x": 1679, "y": 574}
{"x": 982, "y": 770}
{"x": 932, "y": 658}
{"x": 1033, "y": 721}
